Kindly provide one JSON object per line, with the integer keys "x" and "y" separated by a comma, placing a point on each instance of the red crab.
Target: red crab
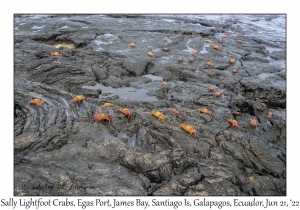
{"x": 101, "y": 116}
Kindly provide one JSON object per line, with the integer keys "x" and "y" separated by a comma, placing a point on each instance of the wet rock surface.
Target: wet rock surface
{"x": 58, "y": 150}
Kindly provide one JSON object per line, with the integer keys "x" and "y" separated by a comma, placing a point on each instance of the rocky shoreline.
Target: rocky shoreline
{"x": 58, "y": 150}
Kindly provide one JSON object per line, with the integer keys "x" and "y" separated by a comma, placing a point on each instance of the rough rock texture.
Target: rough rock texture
{"x": 58, "y": 150}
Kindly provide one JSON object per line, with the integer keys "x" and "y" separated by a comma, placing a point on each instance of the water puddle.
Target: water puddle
{"x": 189, "y": 50}
{"x": 124, "y": 93}
{"x": 38, "y": 27}
{"x": 203, "y": 51}
{"x": 263, "y": 75}
{"x": 169, "y": 20}
{"x": 131, "y": 141}
{"x": 104, "y": 39}
{"x": 153, "y": 77}
{"x": 98, "y": 42}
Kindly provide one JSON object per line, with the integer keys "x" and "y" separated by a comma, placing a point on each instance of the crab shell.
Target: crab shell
{"x": 208, "y": 63}
{"x": 209, "y": 41}
{"x": 191, "y": 59}
{"x": 188, "y": 128}
{"x": 175, "y": 111}
{"x": 36, "y": 101}
{"x": 168, "y": 35}
{"x": 107, "y": 105}
{"x": 101, "y": 116}
{"x": 234, "y": 71}
{"x": 263, "y": 105}
{"x": 132, "y": 44}
{"x": 195, "y": 52}
{"x": 269, "y": 115}
{"x": 218, "y": 94}
{"x": 125, "y": 111}
{"x": 211, "y": 88}
{"x": 216, "y": 47}
{"x": 164, "y": 83}
{"x": 78, "y": 99}
{"x": 233, "y": 123}
{"x": 236, "y": 113}
{"x": 56, "y": 54}
{"x": 166, "y": 49}
{"x": 204, "y": 110}
{"x": 150, "y": 54}
{"x": 231, "y": 61}
{"x": 158, "y": 114}
{"x": 180, "y": 59}
{"x": 253, "y": 122}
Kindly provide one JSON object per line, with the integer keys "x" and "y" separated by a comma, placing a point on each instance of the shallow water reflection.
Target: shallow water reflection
{"x": 125, "y": 93}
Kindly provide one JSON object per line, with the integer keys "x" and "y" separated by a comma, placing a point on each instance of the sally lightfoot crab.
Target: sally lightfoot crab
{"x": 159, "y": 115}
{"x": 78, "y": 99}
{"x": 175, "y": 111}
{"x": 233, "y": 123}
{"x": 253, "y": 122}
{"x": 106, "y": 105}
{"x": 36, "y": 101}
{"x": 204, "y": 110}
{"x": 125, "y": 111}
{"x": 56, "y": 54}
{"x": 101, "y": 116}
{"x": 188, "y": 128}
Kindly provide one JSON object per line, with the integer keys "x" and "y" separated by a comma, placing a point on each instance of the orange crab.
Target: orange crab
{"x": 195, "y": 52}
{"x": 218, "y": 94}
{"x": 233, "y": 123}
{"x": 188, "y": 128}
{"x": 269, "y": 115}
{"x": 168, "y": 35}
{"x": 125, "y": 111}
{"x": 159, "y": 115}
{"x": 164, "y": 83}
{"x": 166, "y": 49}
{"x": 56, "y": 54}
{"x": 239, "y": 41}
{"x": 150, "y": 54}
{"x": 132, "y": 44}
{"x": 36, "y": 101}
{"x": 237, "y": 113}
{"x": 191, "y": 59}
{"x": 78, "y": 99}
{"x": 225, "y": 36}
{"x": 204, "y": 110}
{"x": 231, "y": 61}
{"x": 253, "y": 122}
{"x": 216, "y": 47}
{"x": 227, "y": 33}
{"x": 106, "y": 105}
{"x": 208, "y": 63}
{"x": 175, "y": 111}
{"x": 101, "y": 116}
{"x": 180, "y": 59}
{"x": 263, "y": 105}
{"x": 234, "y": 71}
{"x": 209, "y": 41}
{"x": 211, "y": 88}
